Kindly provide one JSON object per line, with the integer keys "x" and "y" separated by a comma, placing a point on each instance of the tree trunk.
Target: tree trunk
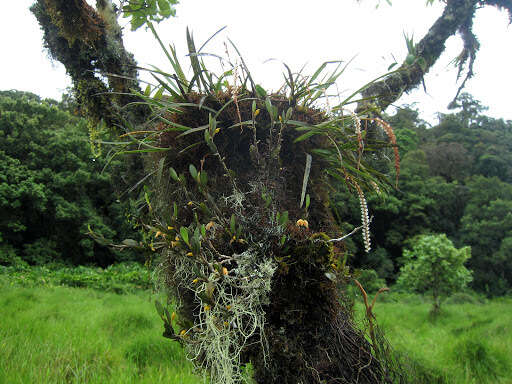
{"x": 311, "y": 336}
{"x": 89, "y": 43}
{"x": 436, "y": 305}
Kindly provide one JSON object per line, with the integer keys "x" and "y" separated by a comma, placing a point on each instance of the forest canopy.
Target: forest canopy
{"x": 53, "y": 187}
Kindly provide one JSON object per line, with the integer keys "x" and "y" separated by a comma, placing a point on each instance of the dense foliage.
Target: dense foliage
{"x": 122, "y": 277}
{"x": 455, "y": 179}
{"x": 52, "y": 188}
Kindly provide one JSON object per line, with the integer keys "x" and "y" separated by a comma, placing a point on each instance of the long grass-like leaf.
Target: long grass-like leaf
{"x": 173, "y": 60}
{"x": 211, "y": 37}
{"x": 193, "y": 130}
{"x": 194, "y": 61}
{"x": 253, "y": 84}
{"x": 307, "y": 170}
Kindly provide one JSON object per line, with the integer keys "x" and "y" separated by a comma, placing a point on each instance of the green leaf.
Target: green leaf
{"x": 205, "y": 209}
{"x": 192, "y": 130}
{"x": 391, "y": 66}
{"x": 260, "y": 91}
{"x": 283, "y": 218}
{"x": 159, "y": 93}
{"x": 174, "y": 175}
{"x": 307, "y": 170}
{"x": 175, "y": 211}
{"x": 195, "y": 244}
{"x": 131, "y": 243}
{"x": 232, "y": 224}
{"x": 308, "y": 201}
{"x": 184, "y": 235}
{"x": 137, "y": 22}
{"x": 331, "y": 276}
{"x": 203, "y": 178}
{"x": 268, "y": 105}
{"x": 160, "y": 170}
{"x": 159, "y": 309}
{"x": 196, "y": 67}
{"x": 165, "y": 8}
{"x": 193, "y": 171}
{"x": 168, "y": 316}
{"x": 147, "y": 92}
{"x": 305, "y": 136}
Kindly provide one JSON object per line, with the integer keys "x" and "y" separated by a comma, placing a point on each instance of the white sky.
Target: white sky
{"x": 295, "y": 32}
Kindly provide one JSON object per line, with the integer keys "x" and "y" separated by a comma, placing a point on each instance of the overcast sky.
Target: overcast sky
{"x": 295, "y": 32}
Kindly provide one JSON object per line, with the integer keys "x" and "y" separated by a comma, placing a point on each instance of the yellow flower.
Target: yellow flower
{"x": 226, "y": 323}
{"x": 195, "y": 281}
{"x": 173, "y": 316}
{"x": 190, "y": 254}
{"x": 182, "y": 332}
{"x": 169, "y": 228}
{"x": 190, "y": 203}
{"x": 302, "y": 223}
{"x": 209, "y": 225}
{"x": 158, "y": 233}
{"x": 217, "y": 130}
{"x": 207, "y": 307}
{"x": 256, "y": 112}
{"x": 177, "y": 238}
{"x": 225, "y": 271}
{"x": 280, "y": 118}
{"x": 228, "y": 307}
{"x": 174, "y": 243}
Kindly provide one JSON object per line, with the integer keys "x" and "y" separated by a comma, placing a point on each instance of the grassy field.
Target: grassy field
{"x": 76, "y": 335}
{"x": 470, "y": 342}
{"x": 79, "y": 335}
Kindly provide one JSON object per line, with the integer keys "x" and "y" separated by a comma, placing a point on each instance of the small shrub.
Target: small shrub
{"x": 434, "y": 265}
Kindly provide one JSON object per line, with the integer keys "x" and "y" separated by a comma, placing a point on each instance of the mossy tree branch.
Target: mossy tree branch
{"x": 457, "y": 17}
{"x": 89, "y": 43}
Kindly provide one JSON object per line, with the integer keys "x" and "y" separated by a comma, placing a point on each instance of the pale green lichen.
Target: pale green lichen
{"x": 230, "y": 311}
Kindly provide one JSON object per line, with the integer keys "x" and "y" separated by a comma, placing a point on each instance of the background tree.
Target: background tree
{"x": 434, "y": 265}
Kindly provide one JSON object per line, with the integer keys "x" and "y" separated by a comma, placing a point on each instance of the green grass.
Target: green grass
{"x": 55, "y": 334}
{"x": 470, "y": 341}
{"x": 77, "y": 335}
